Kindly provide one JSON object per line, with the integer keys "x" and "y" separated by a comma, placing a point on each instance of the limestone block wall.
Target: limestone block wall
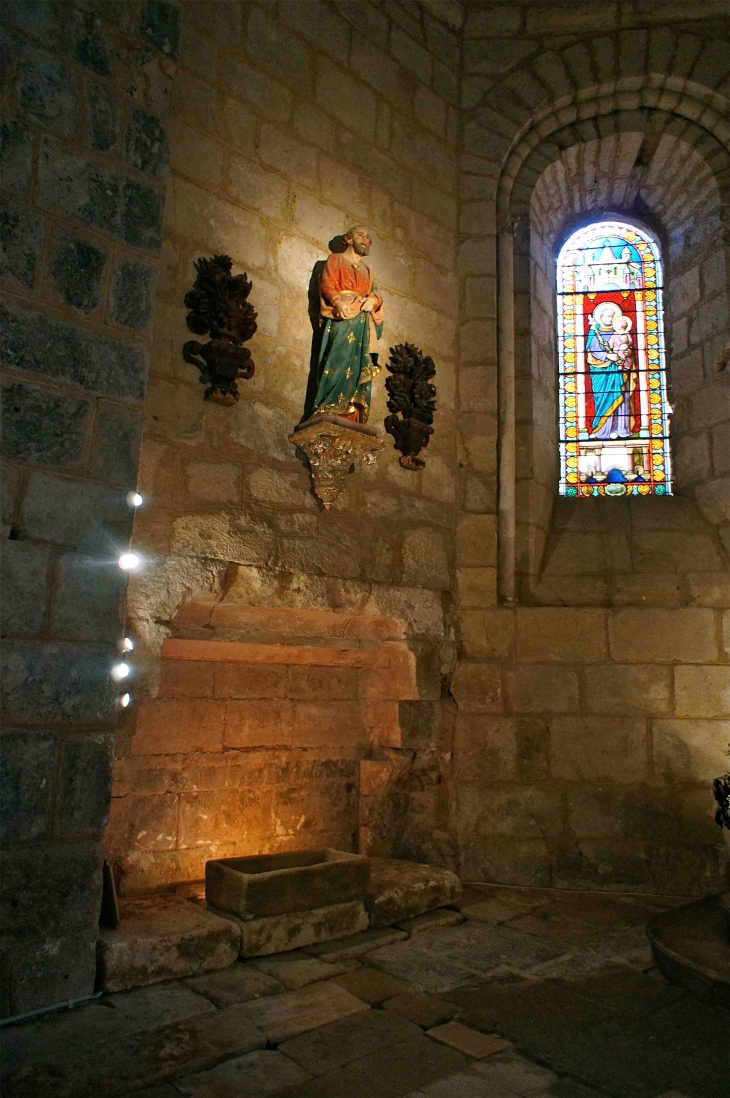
{"x": 290, "y": 122}
{"x": 569, "y": 112}
{"x": 586, "y": 742}
{"x": 256, "y": 745}
{"x": 83, "y": 163}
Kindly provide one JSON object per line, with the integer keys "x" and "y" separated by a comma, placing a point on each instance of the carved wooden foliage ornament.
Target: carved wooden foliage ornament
{"x": 411, "y": 402}
{"x": 219, "y": 304}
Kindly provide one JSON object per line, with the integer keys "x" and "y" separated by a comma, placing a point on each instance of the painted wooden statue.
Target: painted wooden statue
{"x": 351, "y": 319}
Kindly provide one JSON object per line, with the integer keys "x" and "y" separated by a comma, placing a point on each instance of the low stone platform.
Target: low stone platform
{"x": 691, "y": 948}
{"x": 163, "y": 937}
{"x": 401, "y": 890}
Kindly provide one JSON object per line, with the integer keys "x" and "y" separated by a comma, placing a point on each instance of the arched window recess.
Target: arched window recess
{"x": 614, "y": 413}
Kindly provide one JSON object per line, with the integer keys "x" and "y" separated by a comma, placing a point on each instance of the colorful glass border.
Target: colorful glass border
{"x": 653, "y": 435}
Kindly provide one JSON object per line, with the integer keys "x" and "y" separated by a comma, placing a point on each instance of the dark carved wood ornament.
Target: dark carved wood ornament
{"x": 411, "y": 402}
{"x": 219, "y": 304}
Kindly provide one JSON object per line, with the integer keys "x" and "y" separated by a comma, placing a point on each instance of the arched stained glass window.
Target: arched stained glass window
{"x": 614, "y": 414}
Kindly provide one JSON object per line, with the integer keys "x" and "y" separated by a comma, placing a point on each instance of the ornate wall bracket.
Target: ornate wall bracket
{"x": 333, "y": 445}
{"x": 218, "y": 304}
{"x": 411, "y": 402}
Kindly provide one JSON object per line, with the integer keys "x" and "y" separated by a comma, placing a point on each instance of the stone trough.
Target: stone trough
{"x": 252, "y": 907}
{"x": 286, "y": 901}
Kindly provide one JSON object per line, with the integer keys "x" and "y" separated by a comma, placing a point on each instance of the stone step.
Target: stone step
{"x": 163, "y": 937}
{"x": 691, "y": 948}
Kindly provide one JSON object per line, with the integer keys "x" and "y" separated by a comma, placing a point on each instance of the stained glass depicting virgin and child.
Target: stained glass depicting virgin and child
{"x": 614, "y": 415}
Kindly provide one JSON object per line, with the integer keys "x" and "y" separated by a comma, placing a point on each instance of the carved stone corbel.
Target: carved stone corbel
{"x": 332, "y": 446}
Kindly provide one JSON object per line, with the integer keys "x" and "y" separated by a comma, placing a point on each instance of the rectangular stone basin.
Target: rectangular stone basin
{"x": 278, "y": 884}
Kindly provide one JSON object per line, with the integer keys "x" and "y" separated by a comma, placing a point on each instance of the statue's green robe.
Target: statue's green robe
{"x": 345, "y": 368}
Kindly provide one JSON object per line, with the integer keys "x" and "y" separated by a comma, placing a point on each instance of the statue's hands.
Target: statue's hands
{"x": 340, "y": 308}
{"x": 369, "y": 303}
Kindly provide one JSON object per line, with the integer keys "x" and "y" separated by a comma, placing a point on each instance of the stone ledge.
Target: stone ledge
{"x": 163, "y": 938}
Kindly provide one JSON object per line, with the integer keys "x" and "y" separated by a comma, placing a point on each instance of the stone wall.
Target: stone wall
{"x": 84, "y": 155}
{"x": 584, "y": 747}
{"x": 289, "y": 123}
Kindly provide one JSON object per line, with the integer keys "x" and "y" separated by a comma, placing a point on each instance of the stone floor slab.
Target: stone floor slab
{"x": 324, "y": 1050}
{"x": 159, "y": 1005}
{"x": 249, "y": 1076}
{"x": 516, "y": 1074}
{"x": 482, "y": 948}
{"x": 421, "y": 970}
{"x": 424, "y": 1010}
{"x": 431, "y": 920}
{"x": 556, "y": 925}
{"x": 388, "y": 1073}
{"x": 371, "y": 985}
{"x": 294, "y": 1012}
{"x": 65, "y": 1033}
{"x": 356, "y": 946}
{"x": 472, "y": 1042}
{"x": 467, "y": 1084}
{"x": 495, "y": 910}
{"x": 239, "y": 983}
{"x": 295, "y": 970}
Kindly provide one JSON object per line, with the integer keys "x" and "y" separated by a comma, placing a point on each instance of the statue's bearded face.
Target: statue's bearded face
{"x": 361, "y": 242}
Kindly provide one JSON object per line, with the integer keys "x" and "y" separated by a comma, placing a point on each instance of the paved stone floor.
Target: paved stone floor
{"x": 526, "y": 993}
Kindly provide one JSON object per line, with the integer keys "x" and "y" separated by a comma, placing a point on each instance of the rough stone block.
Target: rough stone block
{"x": 627, "y": 690}
{"x": 239, "y": 983}
{"x": 159, "y": 23}
{"x": 56, "y": 681}
{"x": 52, "y": 969}
{"x": 594, "y": 748}
{"x": 163, "y": 938}
{"x": 702, "y": 691}
{"x": 280, "y": 933}
{"x": 399, "y": 890}
{"x": 91, "y": 47}
{"x": 116, "y": 442}
{"x": 278, "y": 884}
{"x": 141, "y": 215}
{"x": 131, "y": 300}
{"x": 51, "y": 891}
{"x": 78, "y": 187}
{"x": 477, "y": 687}
{"x": 21, "y": 237}
{"x": 77, "y": 268}
{"x": 249, "y": 1076}
{"x": 146, "y": 146}
{"x": 476, "y": 541}
{"x": 560, "y": 634}
{"x": 541, "y": 689}
{"x": 16, "y": 155}
{"x": 29, "y": 341}
{"x": 85, "y": 783}
{"x": 477, "y": 587}
{"x": 371, "y": 986}
{"x": 42, "y": 428}
{"x": 178, "y": 727}
{"x": 102, "y": 117}
{"x": 27, "y": 766}
{"x": 663, "y": 636}
{"x": 23, "y": 586}
{"x": 76, "y": 513}
{"x": 46, "y": 91}
{"x": 688, "y": 751}
{"x": 281, "y": 1017}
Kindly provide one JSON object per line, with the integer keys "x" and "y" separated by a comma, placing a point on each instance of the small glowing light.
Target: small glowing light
{"x": 127, "y": 645}
{"x": 125, "y": 700}
{"x": 128, "y": 561}
{"x": 120, "y": 671}
{"x": 134, "y": 499}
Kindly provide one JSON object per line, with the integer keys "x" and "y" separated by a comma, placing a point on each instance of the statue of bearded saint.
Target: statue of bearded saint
{"x": 351, "y": 319}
